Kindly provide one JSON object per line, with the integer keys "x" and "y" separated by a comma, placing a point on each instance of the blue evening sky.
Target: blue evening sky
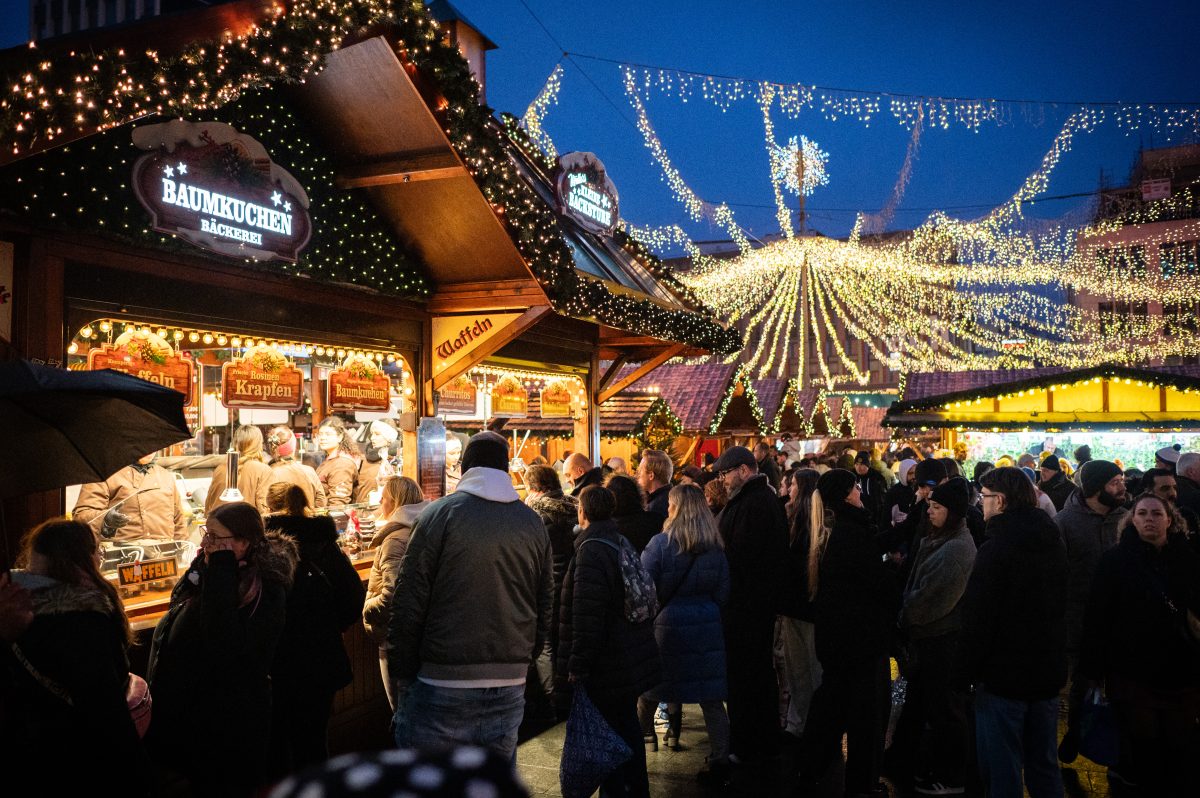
{"x": 1101, "y": 51}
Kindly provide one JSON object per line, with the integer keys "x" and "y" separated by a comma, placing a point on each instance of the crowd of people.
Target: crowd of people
{"x": 773, "y": 590}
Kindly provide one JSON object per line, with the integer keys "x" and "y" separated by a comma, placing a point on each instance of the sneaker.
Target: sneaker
{"x": 936, "y": 787}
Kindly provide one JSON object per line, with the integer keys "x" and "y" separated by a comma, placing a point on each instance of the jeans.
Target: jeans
{"x": 1011, "y": 735}
{"x": 434, "y": 717}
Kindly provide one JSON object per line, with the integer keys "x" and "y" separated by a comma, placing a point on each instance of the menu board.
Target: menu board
{"x": 431, "y": 457}
{"x": 458, "y": 396}
{"x": 358, "y": 384}
{"x": 510, "y": 399}
{"x": 556, "y": 400}
{"x": 149, "y": 357}
{"x": 262, "y": 377}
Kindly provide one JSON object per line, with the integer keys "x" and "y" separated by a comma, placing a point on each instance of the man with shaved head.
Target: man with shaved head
{"x": 578, "y": 469}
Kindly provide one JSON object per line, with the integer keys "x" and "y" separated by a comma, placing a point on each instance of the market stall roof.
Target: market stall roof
{"x": 619, "y": 417}
{"x": 694, "y": 392}
{"x": 795, "y": 411}
{"x": 868, "y": 423}
{"x": 1100, "y": 397}
{"x": 771, "y": 394}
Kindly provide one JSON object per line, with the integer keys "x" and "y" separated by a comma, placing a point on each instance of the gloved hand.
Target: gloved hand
{"x": 114, "y": 519}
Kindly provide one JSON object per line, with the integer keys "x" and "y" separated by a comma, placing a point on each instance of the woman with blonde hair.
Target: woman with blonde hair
{"x": 691, "y": 575}
{"x": 254, "y": 476}
{"x": 68, "y": 675}
{"x": 402, "y": 501}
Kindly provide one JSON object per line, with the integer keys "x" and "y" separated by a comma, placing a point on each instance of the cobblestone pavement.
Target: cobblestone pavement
{"x": 673, "y": 773}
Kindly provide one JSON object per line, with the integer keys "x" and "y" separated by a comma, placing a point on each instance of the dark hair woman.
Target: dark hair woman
{"x": 855, "y": 601}
{"x": 636, "y": 523}
{"x": 598, "y": 646}
{"x": 931, "y": 620}
{"x": 339, "y": 470}
{"x": 210, "y": 661}
{"x": 65, "y": 716}
{"x": 795, "y": 633}
{"x": 311, "y": 664}
{"x": 1140, "y": 639}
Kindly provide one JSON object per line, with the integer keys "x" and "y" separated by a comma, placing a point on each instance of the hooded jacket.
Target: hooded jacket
{"x": 754, "y": 528}
{"x": 1087, "y": 535}
{"x": 474, "y": 596}
{"x": 936, "y": 584}
{"x": 858, "y": 596}
{"x": 1129, "y": 630}
{"x": 900, "y": 497}
{"x": 390, "y": 544}
{"x": 614, "y": 658}
{"x": 210, "y": 664}
{"x": 874, "y": 489}
{"x": 1013, "y": 640}
{"x": 325, "y": 600}
{"x": 76, "y": 642}
{"x": 157, "y": 513}
{"x": 1059, "y": 489}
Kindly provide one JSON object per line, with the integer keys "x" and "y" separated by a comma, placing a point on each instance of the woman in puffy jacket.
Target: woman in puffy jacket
{"x": 402, "y": 501}
{"x": 691, "y": 576}
{"x": 1144, "y": 601}
{"x": 65, "y": 720}
{"x": 311, "y": 664}
{"x": 210, "y": 662}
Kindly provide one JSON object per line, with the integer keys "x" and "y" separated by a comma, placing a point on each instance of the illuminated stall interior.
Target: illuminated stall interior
{"x": 1122, "y": 413}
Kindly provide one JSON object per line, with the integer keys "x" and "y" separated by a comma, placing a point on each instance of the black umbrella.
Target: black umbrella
{"x": 72, "y": 427}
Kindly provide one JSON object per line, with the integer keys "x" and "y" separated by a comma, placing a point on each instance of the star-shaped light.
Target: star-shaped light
{"x": 800, "y": 165}
{"x": 287, "y": 206}
{"x": 169, "y": 170}
{"x": 181, "y": 168}
{"x": 275, "y": 198}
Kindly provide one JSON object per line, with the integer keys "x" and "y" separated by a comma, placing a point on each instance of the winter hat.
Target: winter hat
{"x": 1051, "y": 462}
{"x": 486, "y": 449}
{"x": 735, "y": 456}
{"x": 863, "y": 457}
{"x": 1169, "y": 454}
{"x": 930, "y": 472}
{"x": 954, "y": 495}
{"x": 905, "y": 467}
{"x": 386, "y": 430}
{"x": 1083, "y": 454}
{"x": 1095, "y": 474}
{"x": 1029, "y": 472}
{"x": 834, "y": 486}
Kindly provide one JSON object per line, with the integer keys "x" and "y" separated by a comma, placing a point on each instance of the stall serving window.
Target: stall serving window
{"x": 263, "y": 410}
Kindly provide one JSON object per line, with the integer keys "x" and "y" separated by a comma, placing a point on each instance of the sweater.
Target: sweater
{"x": 474, "y": 595}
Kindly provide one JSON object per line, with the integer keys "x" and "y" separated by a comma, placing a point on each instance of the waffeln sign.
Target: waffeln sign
{"x": 147, "y": 571}
{"x": 173, "y": 371}
{"x": 219, "y": 189}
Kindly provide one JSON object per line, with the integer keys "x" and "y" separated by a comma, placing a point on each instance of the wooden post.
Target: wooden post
{"x": 593, "y": 408}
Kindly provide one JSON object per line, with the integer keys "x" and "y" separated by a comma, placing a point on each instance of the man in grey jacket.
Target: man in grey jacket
{"x": 1089, "y": 523}
{"x": 472, "y": 607}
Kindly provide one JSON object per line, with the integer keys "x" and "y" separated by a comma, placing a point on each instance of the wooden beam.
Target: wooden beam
{"x": 488, "y": 295}
{"x": 613, "y": 369}
{"x": 491, "y": 345}
{"x": 410, "y": 168}
{"x": 641, "y": 371}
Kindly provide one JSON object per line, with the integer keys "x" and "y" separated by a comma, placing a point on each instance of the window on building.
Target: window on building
{"x": 1180, "y": 258}
{"x": 1129, "y": 260}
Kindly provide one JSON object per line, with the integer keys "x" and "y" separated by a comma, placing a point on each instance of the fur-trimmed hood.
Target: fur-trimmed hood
{"x": 554, "y": 505}
{"x": 51, "y": 597}
{"x": 277, "y": 563}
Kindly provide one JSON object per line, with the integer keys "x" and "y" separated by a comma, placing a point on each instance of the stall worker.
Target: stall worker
{"x": 286, "y": 468}
{"x": 339, "y": 470}
{"x": 139, "y": 501}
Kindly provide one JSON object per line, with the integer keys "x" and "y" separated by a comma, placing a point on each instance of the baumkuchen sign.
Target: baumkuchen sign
{"x": 458, "y": 397}
{"x": 359, "y": 384}
{"x": 262, "y": 377}
{"x": 556, "y": 400}
{"x": 217, "y": 188}
{"x": 147, "y": 356}
{"x": 585, "y": 193}
{"x": 510, "y": 399}
{"x": 455, "y": 337}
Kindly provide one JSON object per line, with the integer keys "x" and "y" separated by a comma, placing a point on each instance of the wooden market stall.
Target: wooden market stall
{"x": 1124, "y": 413}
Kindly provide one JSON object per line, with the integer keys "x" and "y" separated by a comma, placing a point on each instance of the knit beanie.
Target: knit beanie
{"x": 1095, "y": 474}
{"x": 929, "y": 471}
{"x": 486, "y": 449}
{"x": 1051, "y": 462}
{"x": 954, "y": 495}
{"x": 834, "y": 486}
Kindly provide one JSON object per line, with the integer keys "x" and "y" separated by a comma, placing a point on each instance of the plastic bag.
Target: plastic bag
{"x": 591, "y": 749}
{"x": 1098, "y": 739}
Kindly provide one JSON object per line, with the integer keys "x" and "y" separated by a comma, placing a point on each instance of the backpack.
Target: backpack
{"x": 641, "y": 600}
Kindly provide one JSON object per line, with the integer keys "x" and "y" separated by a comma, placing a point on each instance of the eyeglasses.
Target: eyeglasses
{"x": 204, "y": 533}
{"x": 722, "y": 474}
{"x": 983, "y": 495}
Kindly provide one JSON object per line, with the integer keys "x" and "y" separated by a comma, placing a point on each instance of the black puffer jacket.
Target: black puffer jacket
{"x": 754, "y": 528}
{"x": 1014, "y": 631}
{"x": 76, "y": 642}
{"x": 858, "y": 596}
{"x": 1129, "y": 630}
{"x": 1058, "y": 488}
{"x": 326, "y": 599}
{"x": 210, "y": 666}
{"x": 596, "y": 643}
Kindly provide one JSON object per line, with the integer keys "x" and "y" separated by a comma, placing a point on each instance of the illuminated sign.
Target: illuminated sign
{"x": 148, "y": 357}
{"x": 358, "y": 384}
{"x": 262, "y": 377}
{"x": 458, "y": 397}
{"x": 218, "y": 189}
{"x": 585, "y": 193}
{"x": 137, "y": 573}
